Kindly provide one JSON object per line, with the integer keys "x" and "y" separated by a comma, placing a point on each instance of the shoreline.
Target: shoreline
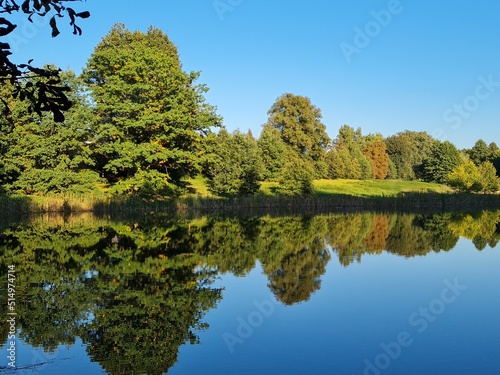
{"x": 320, "y": 203}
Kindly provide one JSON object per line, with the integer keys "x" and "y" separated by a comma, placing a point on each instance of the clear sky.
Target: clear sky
{"x": 384, "y": 66}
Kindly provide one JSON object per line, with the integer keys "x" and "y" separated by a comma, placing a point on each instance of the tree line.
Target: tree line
{"x": 140, "y": 125}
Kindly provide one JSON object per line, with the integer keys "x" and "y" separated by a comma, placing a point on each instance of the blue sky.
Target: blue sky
{"x": 384, "y": 66}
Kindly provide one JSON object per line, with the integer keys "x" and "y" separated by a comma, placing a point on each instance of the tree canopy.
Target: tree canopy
{"x": 150, "y": 115}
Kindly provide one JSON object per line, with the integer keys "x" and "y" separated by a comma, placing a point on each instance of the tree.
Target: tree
{"x": 151, "y": 115}
{"x": 297, "y": 177}
{"x": 48, "y": 94}
{"x": 346, "y": 158}
{"x": 443, "y": 158}
{"x": 232, "y": 164}
{"x": 376, "y": 152}
{"x": 299, "y": 123}
{"x": 41, "y": 156}
{"x": 272, "y": 152}
{"x": 479, "y": 153}
{"x": 408, "y": 150}
{"x": 469, "y": 177}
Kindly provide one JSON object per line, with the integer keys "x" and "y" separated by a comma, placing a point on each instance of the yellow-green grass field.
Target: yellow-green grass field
{"x": 367, "y": 188}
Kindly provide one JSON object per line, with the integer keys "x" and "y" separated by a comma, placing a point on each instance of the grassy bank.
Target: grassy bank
{"x": 338, "y": 195}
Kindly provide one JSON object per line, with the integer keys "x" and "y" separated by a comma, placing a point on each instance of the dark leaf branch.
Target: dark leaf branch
{"x": 48, "y": 94}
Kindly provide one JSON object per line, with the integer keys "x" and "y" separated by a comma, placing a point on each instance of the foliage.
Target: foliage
{"x": 297, "y": 177}
{"x": 41, "y": 156}
{"x": 233, "y": 164}
{"x": 479, "y": 153}
{"x": 469, "y": 177}
{"x": 443, "y": 158}
{"x": 300, "y": 126}
{"x": 272, "y": 152}
{"x": 151, "y": 116}
{"x": 376, "y": 152}
{"x": 408, "y": 150}
{"x": 47, "y": 93}
{"x": 346, "y": 159}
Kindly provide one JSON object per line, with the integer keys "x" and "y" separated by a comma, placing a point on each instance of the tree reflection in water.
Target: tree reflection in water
{"x": 134, "y": 291}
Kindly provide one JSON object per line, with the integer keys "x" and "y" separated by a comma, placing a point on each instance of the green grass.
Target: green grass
{"x": 367, "y": 188}
{"x": 376, "y": 188}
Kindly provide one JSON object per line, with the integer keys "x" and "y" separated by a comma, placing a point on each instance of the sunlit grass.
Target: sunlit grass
{"x": 376, "y": 188}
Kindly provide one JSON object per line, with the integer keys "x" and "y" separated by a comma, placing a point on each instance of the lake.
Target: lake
{"x": 354, "y": 294}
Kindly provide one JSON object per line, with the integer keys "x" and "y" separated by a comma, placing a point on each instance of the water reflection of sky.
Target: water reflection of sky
{"x": 356, "y": 310}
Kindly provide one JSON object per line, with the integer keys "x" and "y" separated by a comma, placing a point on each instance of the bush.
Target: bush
{"x": 297, "y": 178}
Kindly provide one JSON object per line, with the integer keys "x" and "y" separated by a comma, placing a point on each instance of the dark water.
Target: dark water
{"x": 332, "y": 294}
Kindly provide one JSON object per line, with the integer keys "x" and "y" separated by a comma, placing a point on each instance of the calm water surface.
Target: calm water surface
{"x": 331, "y": 294}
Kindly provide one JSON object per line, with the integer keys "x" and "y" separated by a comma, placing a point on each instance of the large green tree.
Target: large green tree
{"x": 151, "y": 115}
{"x": 299, "y": 122}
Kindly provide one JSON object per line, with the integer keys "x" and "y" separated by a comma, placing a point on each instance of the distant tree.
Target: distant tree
{"x": 151, "y": 116}
{"x": 272, "y": 152}
{"x": 479, "y": 153}
{"x": 233, "y": 164}
{"x": 341, "y": 165}
{"x": 469, "y": 177}
{"x": 489, "y": 179}
{"x": 346, "y": 159}
{"x": 299, "y": 123}
{"x": 297, "y": 177}
{"x": 408, "y": 150}
{"x": 376, "y": 152}
{"x": 443, "y": 158}
{"x": 47, "y": 93}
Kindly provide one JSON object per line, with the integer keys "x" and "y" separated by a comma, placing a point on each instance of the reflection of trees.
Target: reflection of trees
{"x": 147, "y": 312}
{"x": 133, "y": 307}
{"x": 299, "y": 274}
{"x": 136, "y": 291}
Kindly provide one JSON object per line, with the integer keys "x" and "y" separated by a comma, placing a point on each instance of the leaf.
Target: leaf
{"x": 53, "y": 25}
{"x": 85, "y": 14}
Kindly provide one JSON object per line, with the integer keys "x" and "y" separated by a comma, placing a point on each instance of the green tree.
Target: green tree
{"x": 469, "y": 177}
{"x": 408, "y": 150}
{"x": 299, "y": 123}
{"x": 41, "y": 156}
{"x": 151, "y": 115}
{"x": 479, "y": 153}
{"x": 233, "y": 164}
{"x": 346, "y": 159}
{"x": 297, "y": 177}
{"x": 272, "y": 152}
{"x": 443, "y": 158}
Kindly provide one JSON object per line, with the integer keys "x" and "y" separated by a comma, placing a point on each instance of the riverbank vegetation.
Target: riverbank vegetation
{"x": 140, "y": 134}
